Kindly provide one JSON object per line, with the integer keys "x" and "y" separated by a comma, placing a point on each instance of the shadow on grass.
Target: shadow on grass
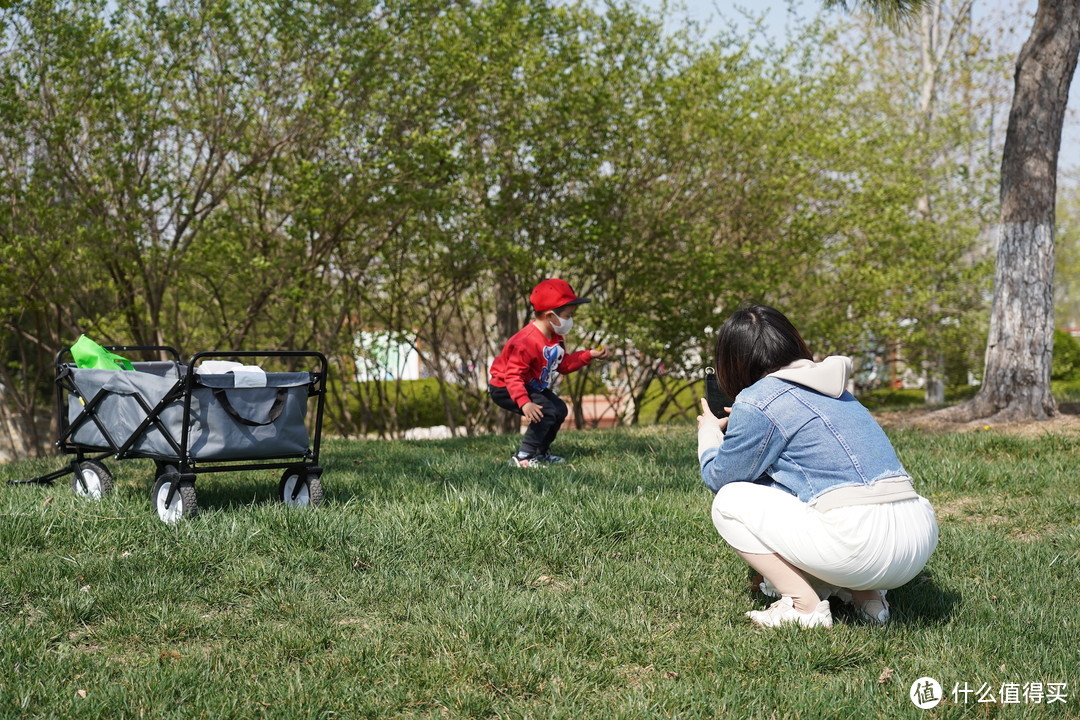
{"x": 919, "y": 603}
{"x": 136, "y": 476}
{"x": 237, "y": 490}
{"x": 923, "y": 602}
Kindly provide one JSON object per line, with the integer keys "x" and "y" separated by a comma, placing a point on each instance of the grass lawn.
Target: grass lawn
{"x": 438, "y": 582}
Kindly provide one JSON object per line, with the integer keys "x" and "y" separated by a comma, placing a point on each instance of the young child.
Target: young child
{"x": 522, "y": 375}
{"x": 809, "y": 491}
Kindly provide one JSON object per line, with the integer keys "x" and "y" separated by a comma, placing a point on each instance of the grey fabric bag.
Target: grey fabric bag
{"x": 231, "y": 423}
{"x": 119, "y": 410}
{"x": 227, "y": 423}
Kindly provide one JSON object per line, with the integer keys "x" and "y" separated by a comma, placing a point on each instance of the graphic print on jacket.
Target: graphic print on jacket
{"x": 553, "y": 357}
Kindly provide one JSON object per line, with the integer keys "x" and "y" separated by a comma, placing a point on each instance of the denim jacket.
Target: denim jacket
{"x": 798, "y": 429}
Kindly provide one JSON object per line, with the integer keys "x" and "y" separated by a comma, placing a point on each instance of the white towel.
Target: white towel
{"x": 248, "y": 376}
{"x": 243, "y": 375}
{"x": 217, "y": 367}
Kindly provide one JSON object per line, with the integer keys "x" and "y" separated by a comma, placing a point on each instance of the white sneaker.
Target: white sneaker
{"x": 875, "y": 611}
{"x": 768, "y": 589}
{"x": 783, "y": 612}
{"x": 824, "y": 591}
{"x": 517, "y": 462}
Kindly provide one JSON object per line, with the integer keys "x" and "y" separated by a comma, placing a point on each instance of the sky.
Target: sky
{"x": 776, "y": 20}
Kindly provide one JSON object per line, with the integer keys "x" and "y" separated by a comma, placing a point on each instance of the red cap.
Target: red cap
{"x": 553, "y": 293}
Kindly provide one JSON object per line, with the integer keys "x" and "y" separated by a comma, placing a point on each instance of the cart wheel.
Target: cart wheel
{"x": 92, "y": 480}
{"x": 298, "y": 488}
{"x": 184, "y": 505}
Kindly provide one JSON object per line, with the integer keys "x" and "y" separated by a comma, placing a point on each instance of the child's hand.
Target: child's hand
{"x": 532, "y": 411}
{"x": 600, "y": 353}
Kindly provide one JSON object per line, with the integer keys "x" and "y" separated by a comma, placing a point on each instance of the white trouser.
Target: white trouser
{"x": 858, "y": 547}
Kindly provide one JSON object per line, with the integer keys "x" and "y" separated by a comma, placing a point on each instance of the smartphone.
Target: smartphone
{"x": 714, "y": 396}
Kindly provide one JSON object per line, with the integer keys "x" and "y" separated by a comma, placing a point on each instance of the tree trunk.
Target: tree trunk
{"x": 934, "y": 50}
{"x": 508, "y": 320}
{"x": 1016, "y": 381}
{"x": 930, "y": 57}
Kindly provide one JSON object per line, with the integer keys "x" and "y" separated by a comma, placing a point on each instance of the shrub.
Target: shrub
{"x": 1066, "y": 391}
{"x": 1066, "y": 363}
{"x": 658, "y": 408}
{"x": 415, "y": 403}
{"x": 892, "y": 399}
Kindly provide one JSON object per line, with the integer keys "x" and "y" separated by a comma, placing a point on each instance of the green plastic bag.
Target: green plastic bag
{"x": 88, "y": 354}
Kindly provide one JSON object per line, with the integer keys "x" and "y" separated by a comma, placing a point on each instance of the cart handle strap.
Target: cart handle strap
{"x": 274, "y": 414}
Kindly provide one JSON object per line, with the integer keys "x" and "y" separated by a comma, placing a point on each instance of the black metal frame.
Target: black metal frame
{"x": 188, "y": 467}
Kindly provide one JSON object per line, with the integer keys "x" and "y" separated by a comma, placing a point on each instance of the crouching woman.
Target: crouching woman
{"x": 809, "y": 491}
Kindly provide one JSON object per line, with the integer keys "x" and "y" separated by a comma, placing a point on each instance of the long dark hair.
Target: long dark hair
{"x": 753, "y": 342}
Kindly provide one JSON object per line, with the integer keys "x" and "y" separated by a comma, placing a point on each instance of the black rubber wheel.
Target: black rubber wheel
{"x": 93, "y": 480}
{"x": 184, "y": 505}
{"x": 298, "y": 488}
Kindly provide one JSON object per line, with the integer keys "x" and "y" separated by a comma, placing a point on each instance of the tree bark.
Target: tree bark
{"x": 508, "y": 320}
{"x": 1016, "y": 380}
{"x": 930, "y": 58}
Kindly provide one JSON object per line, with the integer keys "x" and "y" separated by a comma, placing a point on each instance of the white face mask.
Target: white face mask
{"x": 563, "y": 326}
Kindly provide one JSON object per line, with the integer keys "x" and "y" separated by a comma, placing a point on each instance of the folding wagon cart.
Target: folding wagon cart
{"x": 233, "y": 417}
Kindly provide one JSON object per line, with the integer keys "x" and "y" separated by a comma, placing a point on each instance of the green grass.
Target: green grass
{"x": 685, "y": 406}
{"x": 438, "y": 582}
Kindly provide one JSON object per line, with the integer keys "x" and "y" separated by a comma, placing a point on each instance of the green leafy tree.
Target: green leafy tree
{"x": 239, "y": 175}
{"x": 1067, "y": 259}
{"x": 928, "y": 259}
{"x": 1016, "y": 381}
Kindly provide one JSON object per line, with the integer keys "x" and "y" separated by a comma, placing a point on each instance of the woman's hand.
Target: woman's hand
{"x": 532, "y": 412}
{"x": 707, "y": 419}
{"x": 710, "y": 429}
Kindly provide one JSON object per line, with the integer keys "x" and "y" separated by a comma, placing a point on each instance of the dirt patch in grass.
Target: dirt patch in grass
{"x": 977, "y": 511}
{"x": 1067, "y": 422}
{"x": 636, "y": 676}
{"x": 552, "y": 583}
{"x": 969, "y": 509}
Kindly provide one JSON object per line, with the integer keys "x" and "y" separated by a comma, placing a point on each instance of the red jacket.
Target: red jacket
{"x": 529, "y": 361}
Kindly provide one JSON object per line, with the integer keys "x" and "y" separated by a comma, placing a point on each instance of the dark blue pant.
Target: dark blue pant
{"x": 539, "y": 435}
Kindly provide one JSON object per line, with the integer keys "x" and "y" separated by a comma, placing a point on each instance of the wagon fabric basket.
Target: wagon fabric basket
{"x": 226, "y": 422}
{"x": 190, "y": 422}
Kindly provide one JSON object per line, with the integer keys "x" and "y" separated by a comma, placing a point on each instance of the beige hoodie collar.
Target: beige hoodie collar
{"x": 828, "y": 377}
